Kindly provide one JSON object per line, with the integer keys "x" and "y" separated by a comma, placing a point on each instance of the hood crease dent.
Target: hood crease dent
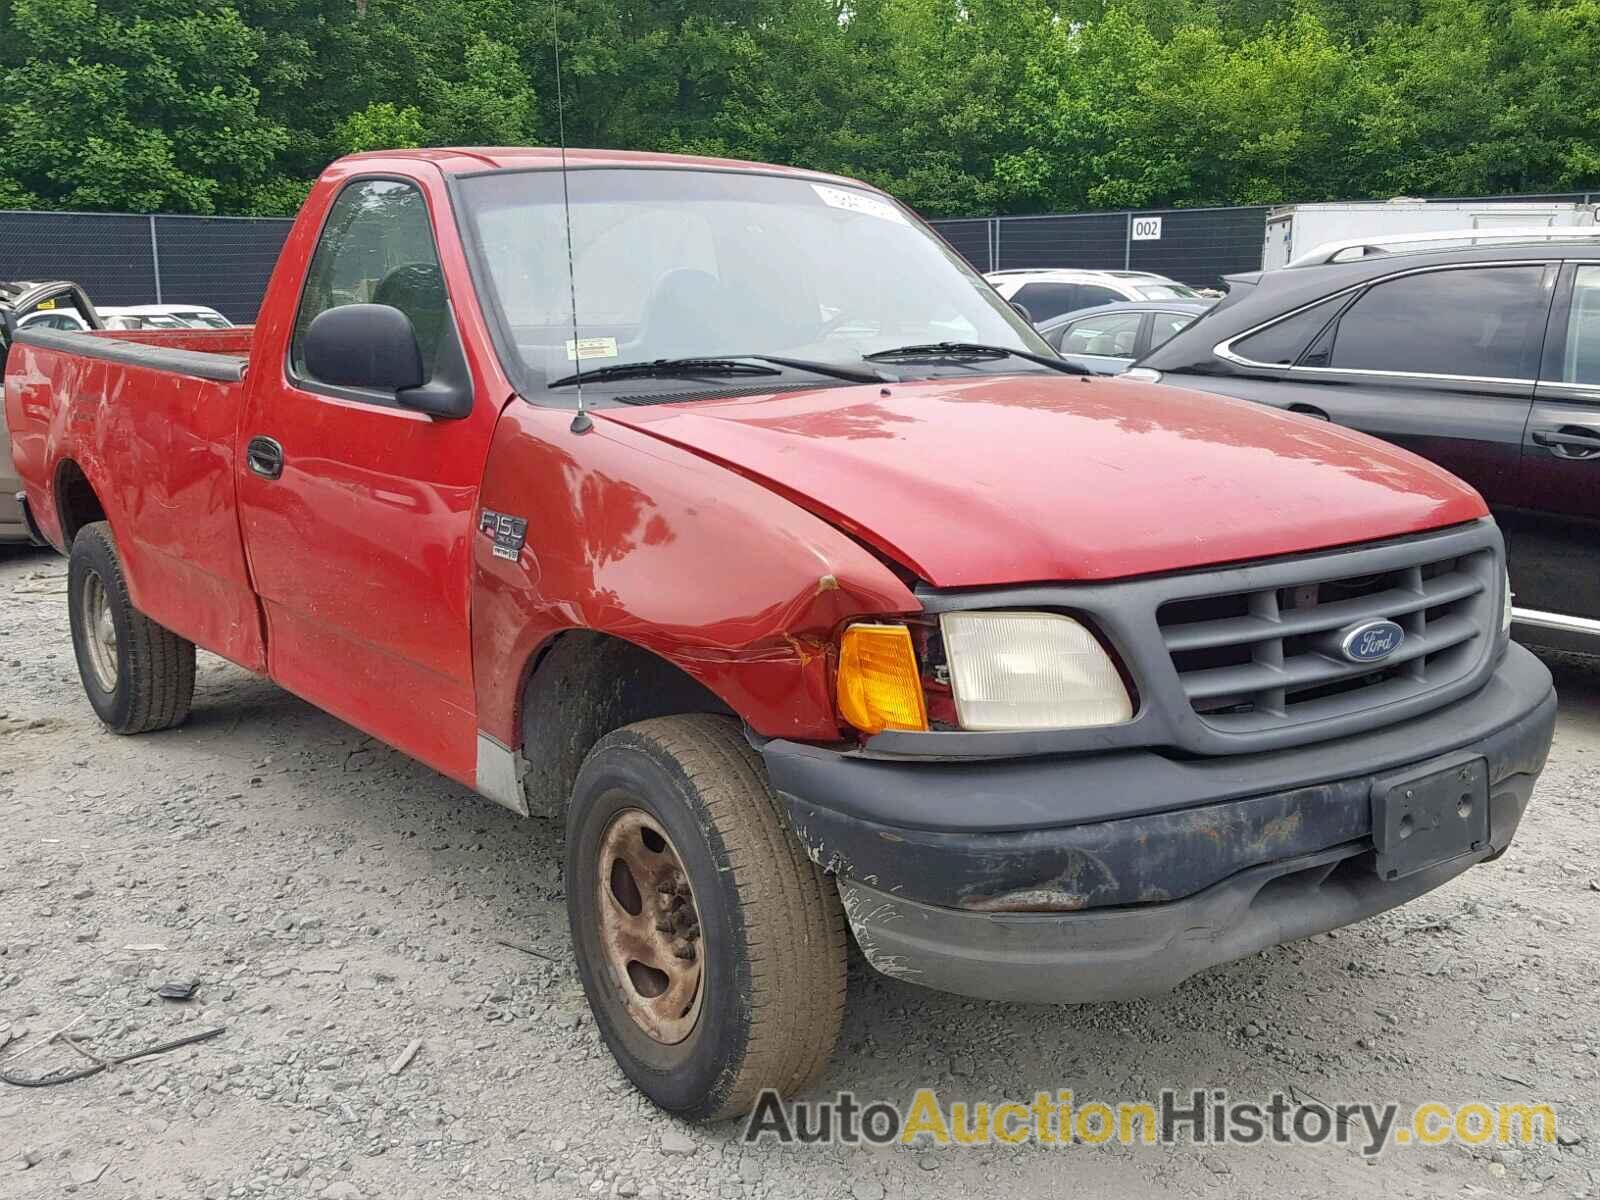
{"x": 1027, "y": 479}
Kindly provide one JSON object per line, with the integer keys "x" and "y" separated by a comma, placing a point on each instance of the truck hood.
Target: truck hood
{"x": 1026, "y": 478}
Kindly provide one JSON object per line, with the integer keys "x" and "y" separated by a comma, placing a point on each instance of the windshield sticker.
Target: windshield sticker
{"x": 591, "y": 348}
{"x": 859, "y": 202}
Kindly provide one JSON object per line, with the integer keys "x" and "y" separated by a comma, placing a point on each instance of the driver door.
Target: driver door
{"x": 356, "y": 510}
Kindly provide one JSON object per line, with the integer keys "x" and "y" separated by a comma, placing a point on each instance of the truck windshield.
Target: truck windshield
{"x": 673, "y": 263}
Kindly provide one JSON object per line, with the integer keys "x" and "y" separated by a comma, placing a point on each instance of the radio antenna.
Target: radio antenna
{"x": 580, "y": 422}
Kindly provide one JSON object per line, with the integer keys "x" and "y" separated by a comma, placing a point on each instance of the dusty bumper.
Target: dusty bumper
{"x": 1141, "y": 898}
{"x": 1119, "y": 953}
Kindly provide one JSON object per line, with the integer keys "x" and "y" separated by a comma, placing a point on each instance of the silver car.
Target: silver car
{"x": 1109, "y": 337}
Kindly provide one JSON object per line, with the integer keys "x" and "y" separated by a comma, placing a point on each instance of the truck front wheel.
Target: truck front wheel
{"x": 712, "y": 950}
{"x": 138, "y": 676}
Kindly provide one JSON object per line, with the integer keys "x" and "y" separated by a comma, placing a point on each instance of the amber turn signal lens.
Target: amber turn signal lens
{"x": 879, "y": 685}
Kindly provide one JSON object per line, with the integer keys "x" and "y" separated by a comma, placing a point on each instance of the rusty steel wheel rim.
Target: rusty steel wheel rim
{"x": 99, "y": 632}
{"x": 650, "y": 927}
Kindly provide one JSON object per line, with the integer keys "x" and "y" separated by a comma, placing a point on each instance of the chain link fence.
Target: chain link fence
{"x": 223, "y": 262}
{"x": 1195, "y": 245}
{"x": 226, "y": 261}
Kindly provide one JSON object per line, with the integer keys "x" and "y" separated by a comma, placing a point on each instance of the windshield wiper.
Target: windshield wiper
{"x": 668, "y": 368}
{"x": 722, "y": 366}
{"x": 823, "y": 368}
{"x": 937, "y": 350}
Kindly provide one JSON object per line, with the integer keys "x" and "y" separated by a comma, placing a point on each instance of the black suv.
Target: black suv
{"x": 1484, "y": 358}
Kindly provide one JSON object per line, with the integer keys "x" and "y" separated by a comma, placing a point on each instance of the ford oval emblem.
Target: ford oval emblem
{"x": 1371, "y": 641}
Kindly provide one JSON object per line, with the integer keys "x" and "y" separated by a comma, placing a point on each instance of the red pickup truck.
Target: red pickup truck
{"x": 838, "y": 602}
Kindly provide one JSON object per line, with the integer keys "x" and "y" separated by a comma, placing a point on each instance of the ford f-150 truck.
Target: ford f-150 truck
{"x": 723, "y": 512}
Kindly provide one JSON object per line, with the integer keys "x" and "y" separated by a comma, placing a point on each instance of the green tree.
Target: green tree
{"x": 490, "y": 104}
{"x": 147, "y": 105}
{"x": 958, "y": 106}
{"x": 379, "y": 126}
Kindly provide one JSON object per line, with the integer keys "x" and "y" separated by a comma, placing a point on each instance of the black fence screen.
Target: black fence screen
{"x": 226, "y": 261}
{"x": 1197, "y": 246}
{"x": 191, "y": 249}
{"x": 973, "y": 240}
{"x": 110, "y": 255}
{"x": 1200, "y": 245}
{"x": 223, "y": 262}
{"x": 1092, "y": 240}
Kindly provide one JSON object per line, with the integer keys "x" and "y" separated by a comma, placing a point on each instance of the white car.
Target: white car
{"x": 1048, "y": 292}
{"x": 164, "y": 316}
{"x": 65, "y": 319}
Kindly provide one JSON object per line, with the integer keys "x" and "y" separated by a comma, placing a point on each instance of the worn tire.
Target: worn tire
{"x": 773, "y": 931}
{"x": 154, "y": 684}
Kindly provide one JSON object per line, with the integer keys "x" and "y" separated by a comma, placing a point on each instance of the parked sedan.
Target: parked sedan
{"x": 67, "y": 320}
{"x": 1109, "y": 337}
{"x": 164, "y": 316}
{"x": 1482, "y": 357}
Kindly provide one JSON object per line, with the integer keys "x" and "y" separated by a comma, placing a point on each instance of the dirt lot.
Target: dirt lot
{"x": 338, "y": 902}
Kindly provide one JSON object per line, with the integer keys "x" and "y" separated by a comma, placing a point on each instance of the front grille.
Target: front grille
{"x": 1267, "y": 658}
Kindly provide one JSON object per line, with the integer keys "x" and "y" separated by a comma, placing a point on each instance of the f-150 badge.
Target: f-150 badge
{"x": 509, "y": 533}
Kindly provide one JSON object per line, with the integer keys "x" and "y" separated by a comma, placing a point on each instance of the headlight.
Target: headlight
{"x": 1505, "y": 609}
{"x": 1014, "y": 670}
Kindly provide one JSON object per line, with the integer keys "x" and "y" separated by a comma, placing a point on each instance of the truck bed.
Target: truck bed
{"x": 234, "y": 342}
{"x": 216, "y": 354}
{"x": 146, "y": 422}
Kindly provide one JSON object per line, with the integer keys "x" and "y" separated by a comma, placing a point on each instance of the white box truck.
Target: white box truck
{"x": 1294, "y": 229}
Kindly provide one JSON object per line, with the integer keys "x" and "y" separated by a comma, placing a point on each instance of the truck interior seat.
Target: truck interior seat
{"x": 690, "y": 313}
{"x": 417, "y": 289}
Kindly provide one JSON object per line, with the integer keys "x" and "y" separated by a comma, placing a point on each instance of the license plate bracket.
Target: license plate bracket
{"x": 1430, "y": 815}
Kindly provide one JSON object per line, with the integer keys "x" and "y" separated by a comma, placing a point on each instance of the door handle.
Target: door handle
{"x": 1568, "y": 442}
{"x": 265, "y": 457}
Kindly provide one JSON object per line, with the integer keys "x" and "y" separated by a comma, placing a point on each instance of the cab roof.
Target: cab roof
{"x": 467, "y": 160}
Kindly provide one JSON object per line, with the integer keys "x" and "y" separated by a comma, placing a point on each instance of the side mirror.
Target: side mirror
{"x": 364, "y": 346}
{"x": 1023, "y": 309}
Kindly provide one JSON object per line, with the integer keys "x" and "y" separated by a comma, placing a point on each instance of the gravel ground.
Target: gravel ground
{"x": 338, "y": 902}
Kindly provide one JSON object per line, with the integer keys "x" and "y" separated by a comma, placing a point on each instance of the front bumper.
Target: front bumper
{"x": 1114, "y": 875}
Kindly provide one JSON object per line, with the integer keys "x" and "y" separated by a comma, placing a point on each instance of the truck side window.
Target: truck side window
{"x": 1483, "y": 321}
{"x": 1580, "y": 361}
{"x": 376, "y": 248}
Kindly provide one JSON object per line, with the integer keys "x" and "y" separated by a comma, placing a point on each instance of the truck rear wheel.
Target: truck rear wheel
{"x": 712, "y": 950}
{"x": 138, "y": 676}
